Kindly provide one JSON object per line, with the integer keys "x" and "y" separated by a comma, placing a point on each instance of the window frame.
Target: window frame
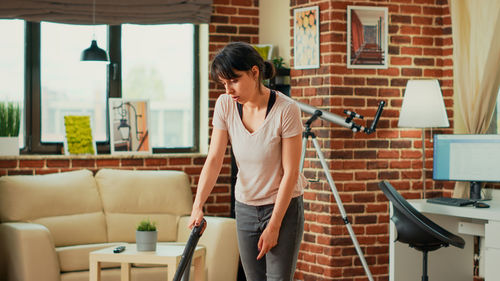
{"x": 32, "y": 94}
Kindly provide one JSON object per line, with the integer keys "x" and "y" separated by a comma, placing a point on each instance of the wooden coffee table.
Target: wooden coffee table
{"x": 169, "y": 255}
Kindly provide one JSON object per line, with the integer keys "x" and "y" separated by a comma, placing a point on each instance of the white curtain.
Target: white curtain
{"x": 476, "y": 65}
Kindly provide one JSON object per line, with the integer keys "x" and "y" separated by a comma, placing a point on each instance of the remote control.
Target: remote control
{"x": 119, "y": 249}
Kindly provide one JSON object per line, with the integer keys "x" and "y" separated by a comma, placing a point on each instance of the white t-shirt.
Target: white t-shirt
{"x": 258, "y": 154}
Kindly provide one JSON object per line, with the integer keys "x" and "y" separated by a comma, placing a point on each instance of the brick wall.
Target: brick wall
{"x": 420, "y": 46}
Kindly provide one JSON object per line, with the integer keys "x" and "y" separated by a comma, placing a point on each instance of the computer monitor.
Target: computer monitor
{"x": 473, "y": 158}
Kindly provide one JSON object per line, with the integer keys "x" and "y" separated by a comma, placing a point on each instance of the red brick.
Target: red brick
{"x": 401, "y": 60}
{"x": 433, "y": 73}
{"x": 424, "y": 61}
{"x": 407, "y": 9}
{"x": 422, "y": 20}
{"x": 249, "y": 12}
{"x": 360, "y": 176}
{"x": 432, "y": 11}
{"x": 179, "y": 161}
{"x": 132, "y": 162}
{"x": 8, "y": 163}
{"x": 411, "y": 51}
{"x": 30, "y": 164}
{"x": 53, "y": 163}
{"x": 225, "y": 29}
{"x": 410, "y": 30}
{"x": 108, "y": 162}
{"x": 83, "y": 163}
{"x": 248, "y": 30}
{"x": 416, "y": 72}
{"x": 225, "y": 10}
{"x": 156, "y": 162}
{"x": 19, "y": 172}
{"x": 241, "y": 3}
{"x": 240, "y": 20}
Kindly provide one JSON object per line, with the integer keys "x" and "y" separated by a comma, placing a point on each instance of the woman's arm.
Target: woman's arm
{"x": 291, "y": 152}
{"x": 209, "y": 174}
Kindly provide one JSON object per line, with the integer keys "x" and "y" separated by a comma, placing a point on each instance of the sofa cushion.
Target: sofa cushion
{"x": 121, "y": 227}
{"x": 76, "y": 258}
{"x": 53, "y": 200}
{"x": 130, "y": 196}
{"x": 75, "y": 229}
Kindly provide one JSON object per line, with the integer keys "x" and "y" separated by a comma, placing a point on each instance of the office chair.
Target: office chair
{"x": 415, "y": 229}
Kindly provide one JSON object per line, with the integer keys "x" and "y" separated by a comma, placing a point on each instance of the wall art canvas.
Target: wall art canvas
{"x": 78, "y": 138}
{"x": 367, "y": 37}
{"x": 129, "y": 126}
{"x": 306, "y": 37}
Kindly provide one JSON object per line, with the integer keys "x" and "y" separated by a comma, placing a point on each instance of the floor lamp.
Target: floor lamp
{"x": 423, "y": 107}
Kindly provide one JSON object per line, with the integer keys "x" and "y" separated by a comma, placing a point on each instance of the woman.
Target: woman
{"x": 265, "y": 132}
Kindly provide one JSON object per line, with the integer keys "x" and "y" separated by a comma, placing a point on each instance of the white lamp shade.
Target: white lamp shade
{"x": 423, "y": 105}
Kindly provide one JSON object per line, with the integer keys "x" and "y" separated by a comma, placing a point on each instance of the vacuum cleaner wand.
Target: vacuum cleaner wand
{"x": 187, "y": 255}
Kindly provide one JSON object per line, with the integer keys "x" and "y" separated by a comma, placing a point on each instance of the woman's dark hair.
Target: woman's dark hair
{"x": 242, "y": 57}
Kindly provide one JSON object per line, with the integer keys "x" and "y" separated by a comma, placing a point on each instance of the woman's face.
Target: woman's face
{"x": 242, "y": 88}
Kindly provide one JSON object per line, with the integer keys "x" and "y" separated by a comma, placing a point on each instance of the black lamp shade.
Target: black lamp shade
{"x": 94, "y": 53}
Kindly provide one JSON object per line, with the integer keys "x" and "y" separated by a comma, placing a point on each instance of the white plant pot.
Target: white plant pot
{"x": 146, "y": 240}
{"x": 9, "y": 146}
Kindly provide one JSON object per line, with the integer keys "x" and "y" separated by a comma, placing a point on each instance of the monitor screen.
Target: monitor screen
{"x": 467, "y": 158}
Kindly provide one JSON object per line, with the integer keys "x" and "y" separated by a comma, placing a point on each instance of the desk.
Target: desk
{"x": 169, "y": 255}
{"x": 451, "y": 263}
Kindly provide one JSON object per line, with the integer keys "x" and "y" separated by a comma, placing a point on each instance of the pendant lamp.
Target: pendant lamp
{"x": 94, "y": 53}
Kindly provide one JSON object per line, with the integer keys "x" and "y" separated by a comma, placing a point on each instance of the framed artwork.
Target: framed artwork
{"x": 129, "y": 126}
{"x": 306, "y": 37}
{"x": 367, "y": 29}
{"x": 78, "y": 136}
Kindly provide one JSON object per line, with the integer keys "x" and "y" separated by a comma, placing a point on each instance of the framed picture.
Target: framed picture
{"x": 129, "y": 126}
{"x": 306, "y": 37}
{"x": 367, "y": 37}
{"x": 78, "y": 136}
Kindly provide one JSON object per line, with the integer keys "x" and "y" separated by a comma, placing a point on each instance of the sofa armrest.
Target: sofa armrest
{"x": 28, "y": 252}
{"x": 221, "y": 243}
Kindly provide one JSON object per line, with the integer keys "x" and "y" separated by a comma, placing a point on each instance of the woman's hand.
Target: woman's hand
{"x": 268, "y": 240}
{"x": 196, "y": 217}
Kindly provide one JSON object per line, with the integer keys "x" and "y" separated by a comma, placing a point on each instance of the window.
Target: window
{"x": 12, "y": 67}
{"x": 57, "y": 83}
{"x": 157, "y": 64}
{"x": 69, "y": 86}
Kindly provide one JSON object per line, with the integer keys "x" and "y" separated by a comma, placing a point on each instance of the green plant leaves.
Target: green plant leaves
{"x": 10, "y": 119}
{"x": 146, "y": 225}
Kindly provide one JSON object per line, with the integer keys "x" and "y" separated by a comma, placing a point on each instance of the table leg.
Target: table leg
{"x": 125, "y": 271}
{"x": 199, "y": 268}
{"x": 171, "y": 268}
{"x": 95, "y": 270}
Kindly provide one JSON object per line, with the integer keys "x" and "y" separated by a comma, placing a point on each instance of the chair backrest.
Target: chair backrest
{"x": 414, "y": 228}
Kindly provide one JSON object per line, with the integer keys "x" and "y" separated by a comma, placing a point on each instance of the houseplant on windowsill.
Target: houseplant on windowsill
{"x": 10, "y": 120}
{"x": 146, "y": 236}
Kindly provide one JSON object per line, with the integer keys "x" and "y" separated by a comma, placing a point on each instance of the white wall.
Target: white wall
{"x": 274, "y": 26}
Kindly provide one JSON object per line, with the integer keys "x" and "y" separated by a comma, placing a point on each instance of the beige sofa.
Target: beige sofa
{"x": 50, "y": 223}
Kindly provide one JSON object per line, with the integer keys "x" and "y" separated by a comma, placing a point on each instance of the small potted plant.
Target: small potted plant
{"x": 281, "y": 70}
{"x": 10, "y": 120}
{"x": 146, "y": 236}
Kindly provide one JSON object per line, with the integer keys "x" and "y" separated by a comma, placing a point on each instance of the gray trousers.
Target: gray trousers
{"x": 279, "y": 263}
